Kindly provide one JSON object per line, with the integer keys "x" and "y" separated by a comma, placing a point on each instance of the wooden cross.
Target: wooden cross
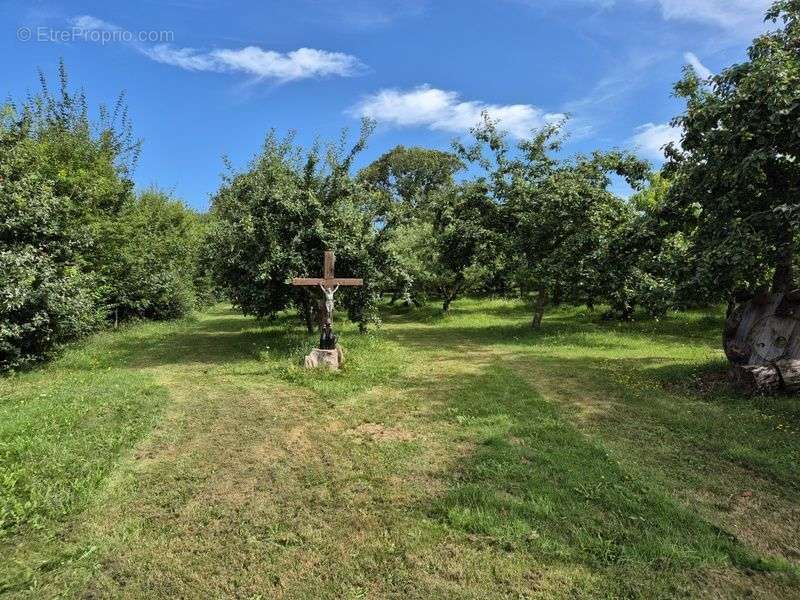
{"x": 329, "y": 280}
{"x": 329, "y": 284}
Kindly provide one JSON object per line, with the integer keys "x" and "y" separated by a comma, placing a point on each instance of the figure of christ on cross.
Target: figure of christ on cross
{"x": 329, "y": 283}
{"x": 327, "y": 315}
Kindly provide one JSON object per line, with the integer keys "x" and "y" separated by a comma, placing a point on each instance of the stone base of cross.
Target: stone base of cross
{"x": 328, "y": 284}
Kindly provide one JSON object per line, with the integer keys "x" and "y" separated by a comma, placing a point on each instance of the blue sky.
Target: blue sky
{"x": 207, "y": 78}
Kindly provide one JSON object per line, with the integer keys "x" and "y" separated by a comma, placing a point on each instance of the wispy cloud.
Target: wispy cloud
{"x": 743, "y": 16}
{"x": 184, "y": 58}
{"x": 298, "y": 64}
{"x": 702, "y": 71}
{"x": 611, "y": 94}
{"x": 730, "y": 14}
{"x": 90, "y": 23}
{"x": 366, "y": 14}
{"x": 650, "y": 139}
{"x": 303, "y": 63}
{"x": 443, "y": 110}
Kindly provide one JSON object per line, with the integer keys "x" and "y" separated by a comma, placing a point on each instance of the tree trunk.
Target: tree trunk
{"x": 783, "y": 279}
{"x": 308, "y": 314}
{"x": 538, "y": 310}
{"x": 781, "y": 376}
{"x": 626, "y": 314}
{"x": 446, "y": 304}
{"x": 449, "y": 297}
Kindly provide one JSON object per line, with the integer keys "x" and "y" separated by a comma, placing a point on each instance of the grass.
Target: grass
{"x": 459, "y": 456}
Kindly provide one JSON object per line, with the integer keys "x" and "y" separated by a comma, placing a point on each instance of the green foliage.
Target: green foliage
{"x": 206, "y": 291}
{"x": 76, "y": 246}
{"x": 274, "y": 221}
{"x": 461, "y": 251}
{"x": 42, "y": 304}
{"x": 151, "y": 267}
{"x": 736, "y": 178}
{"x": 89, "y": 161}
{"x": 405, "y": 189}
{"x": 44, "y": 298}
{"x": 556, "y": 215}
{"x": 403, "y": 179}
{"x": 638, "y": 263}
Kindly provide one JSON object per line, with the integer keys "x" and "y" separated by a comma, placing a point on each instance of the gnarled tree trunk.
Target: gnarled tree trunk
{"x": 762, "y": 342}
{"x": 780, "y": 376}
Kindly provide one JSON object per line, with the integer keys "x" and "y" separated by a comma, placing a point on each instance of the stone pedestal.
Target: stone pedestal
{"x": 331, "y": 359}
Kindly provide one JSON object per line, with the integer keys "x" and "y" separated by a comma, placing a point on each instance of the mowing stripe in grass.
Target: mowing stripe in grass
{"x": 63, "y": 429}
{"x": 535, "y": 483}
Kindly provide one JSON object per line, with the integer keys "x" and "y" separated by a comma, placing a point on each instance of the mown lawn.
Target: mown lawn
{"x": 460, "y": 456}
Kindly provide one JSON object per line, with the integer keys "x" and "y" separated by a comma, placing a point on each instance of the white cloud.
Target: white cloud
{"x": 90, "y": 23}
{"x": 302, "y": 63}
{"x": 650, "y": 139}
{"x": 185, "y": 58}
{"x": 702, "y": 71}
{"x": 443, "y": 110}
{"x": 297, "y": 64}
{"x": 263, "y": 64}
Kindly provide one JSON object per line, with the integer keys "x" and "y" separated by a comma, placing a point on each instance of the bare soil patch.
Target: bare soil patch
{"x": 378, "y": 432}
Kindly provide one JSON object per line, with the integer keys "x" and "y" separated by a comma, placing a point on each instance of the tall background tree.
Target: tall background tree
{"x": 460, "y": 246}
{"x": 735, "y": 177}
{"x": 401, "y": 188}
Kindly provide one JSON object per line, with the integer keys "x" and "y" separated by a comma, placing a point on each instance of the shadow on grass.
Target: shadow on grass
{"x": 511, "y": 309}
{"x": 640, "y": 387}
{"x": 536, "y": 484}
{"x": 635, "y": 401}
{"x": 222, "y": 336}
{"x": 225, "y": 336}
{"x": 489, "y": 323}
{"x": 246, "y": 347}
{"x": 533, "y": 483}
{"x": 556, "y": 333}
{"x": 430, "y": 313}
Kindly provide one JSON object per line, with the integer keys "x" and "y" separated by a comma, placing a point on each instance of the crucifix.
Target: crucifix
{"x": 329, "y": 283}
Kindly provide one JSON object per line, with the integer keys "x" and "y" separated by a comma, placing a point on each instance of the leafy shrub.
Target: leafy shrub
{"x": 44, "y": 298}
{"x": 42, "y": 304}
{"x": 76, "y": 244}
{"x": 152, "y": 259}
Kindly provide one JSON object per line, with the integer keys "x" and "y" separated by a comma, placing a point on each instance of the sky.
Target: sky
{"x": 207, "y": 79}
